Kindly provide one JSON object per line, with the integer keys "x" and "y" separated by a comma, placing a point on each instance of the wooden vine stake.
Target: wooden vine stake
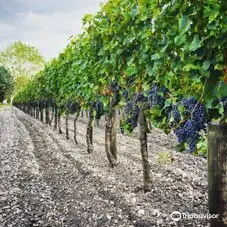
{"x": 144, "y": 150}
{"x": 217, "y": 172}
{"x": 110, "y": 138}
{"x": 217, "y": 167}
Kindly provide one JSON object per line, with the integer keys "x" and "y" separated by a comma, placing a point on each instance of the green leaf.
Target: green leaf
{"x": 222, "y": 90}
{"x": 206, "y": 64}
{"x": 180, "y": 147}
{"x": 156, "y": 111}
{"x": 184, "y": 24}
{"x": 131, "y": 69}
{"x": 190, "y": 66}
{"x": 207, "y": 12}
{"x": 180, "y": 39}
{"x": 134, "y": 12}
{"x": 195, "y": 44}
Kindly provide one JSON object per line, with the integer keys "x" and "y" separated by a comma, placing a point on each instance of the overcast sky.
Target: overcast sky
{"x": 45, "y": 24}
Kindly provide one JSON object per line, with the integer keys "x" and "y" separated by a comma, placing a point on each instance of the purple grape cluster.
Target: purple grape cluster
{"x": 140, "y": 98}
{"x": 74, "y": 107}
{"x": 196, "y": 120}
{"x": 156, "y": 96}
{"x": 114, "y": 86}
{"x": 176, "y": 113}
{"x": 99, "y": 109}
{"x": 126, "y": 96}
{"x": 116, "y": 98}
{"x": 116, "y": 90}
{"x": 132, "y": 108}
{"x": 132, "y": 116}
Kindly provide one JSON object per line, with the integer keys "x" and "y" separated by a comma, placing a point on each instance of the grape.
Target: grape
{"x": 115, "y": 89}
{"x": 189, "y": 105}
{"x": 176, "y": 113}
{"x": 128, "y": 108}
{"x": 154, "y": 96}
{"x": 132, "y": 114}
{"x": 74, "y": 107}
{"x": 164, "y": 91}
{"x": 41, "y": 105}
{"x": 132, "y": 119}
{"x": 196, "y": 120}
{"x": 192, "y": 143}
{"x": 132, "y": 106}
{"x": 116, "y": 99}
{"x": 181, "y": 135}
{"x": 130, "y": 81}
{"x": 99, "y": 109}
{"x": 167, "y": 112}
{"x": 125, "y": 95}
{"x": 114, "y": 86}
{"x": 68, "y": 104}
{"x": 140, "y": 97}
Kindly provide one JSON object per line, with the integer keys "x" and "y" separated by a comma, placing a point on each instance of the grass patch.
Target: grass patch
{"x": 165, "y": 157}
{"x": 4, "y": 105}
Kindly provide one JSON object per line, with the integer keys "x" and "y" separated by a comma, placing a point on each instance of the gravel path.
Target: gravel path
{"x": 49, "y": 181}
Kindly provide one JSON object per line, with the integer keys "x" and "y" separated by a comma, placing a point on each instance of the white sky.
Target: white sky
{"x": 45, "y": 24}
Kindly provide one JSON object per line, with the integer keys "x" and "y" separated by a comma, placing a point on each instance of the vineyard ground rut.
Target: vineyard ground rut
{"x": 49, "y": 181}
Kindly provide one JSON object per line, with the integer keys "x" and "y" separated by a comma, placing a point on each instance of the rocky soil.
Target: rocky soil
{"x": 48, "y": 181}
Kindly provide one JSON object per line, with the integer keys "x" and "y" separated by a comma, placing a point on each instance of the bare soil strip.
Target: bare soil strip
{"x": 47, "y": 180}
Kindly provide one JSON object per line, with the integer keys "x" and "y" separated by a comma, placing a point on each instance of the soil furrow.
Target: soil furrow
{"x": 52, "y": 181}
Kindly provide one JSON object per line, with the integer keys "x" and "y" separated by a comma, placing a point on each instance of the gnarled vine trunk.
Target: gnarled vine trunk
{"x": 41, "y": 115}
{"x": 37, "y": 112}
{"x": 110, "y": 138}
{"x": 89, "y": 134}
{"x": 55, "y": 118}
{"x": 67, "y": 125}
{"x": 33, "y": 109}
{"x": 75, "y": 121}
{"x": 47, "y": 115}
{"x": 59, "y": 123}
{"x": 52, "y": 117}
{"x": 144, "y": 150}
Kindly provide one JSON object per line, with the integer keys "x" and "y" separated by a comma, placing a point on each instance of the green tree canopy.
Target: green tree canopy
{"x": 23, "y": 61}
{"x": 6, "y": 83}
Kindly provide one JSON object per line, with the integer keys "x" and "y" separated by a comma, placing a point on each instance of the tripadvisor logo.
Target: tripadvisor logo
{"x": 176, "y": 216}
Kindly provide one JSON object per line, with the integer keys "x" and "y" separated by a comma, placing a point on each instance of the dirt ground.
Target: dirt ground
{"x": 46, "y": 180}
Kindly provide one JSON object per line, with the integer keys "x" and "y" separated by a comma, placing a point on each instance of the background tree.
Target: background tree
{"x": 6, "y": 83}
{"x": 23, "y": 61}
